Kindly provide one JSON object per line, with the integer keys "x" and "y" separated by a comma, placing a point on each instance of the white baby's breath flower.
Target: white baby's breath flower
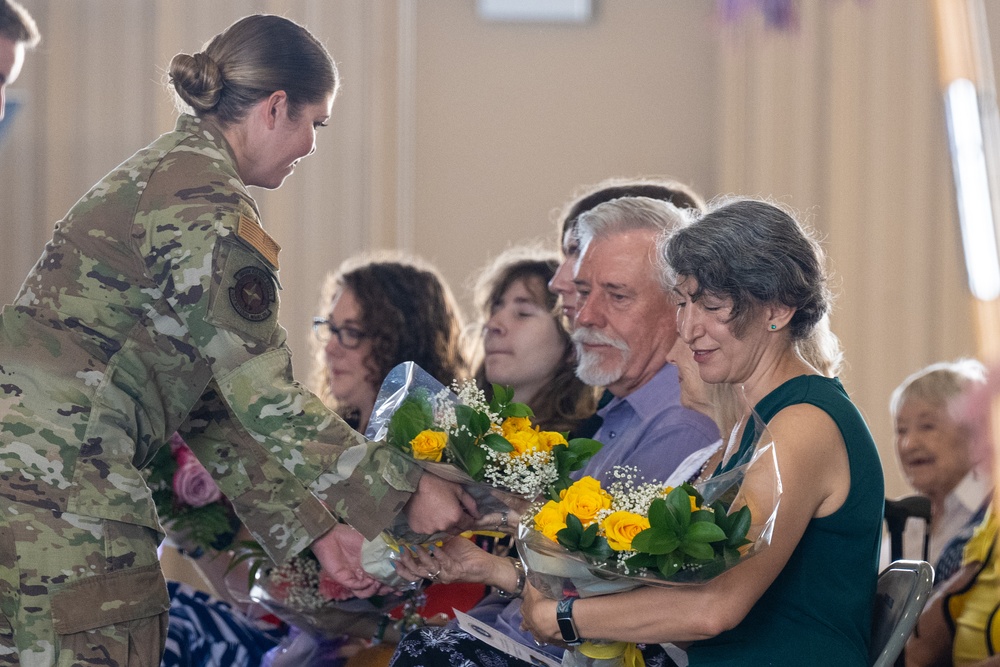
{"x": 527, "y": 474}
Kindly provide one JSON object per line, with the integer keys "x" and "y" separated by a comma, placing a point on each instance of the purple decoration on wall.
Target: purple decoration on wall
{"x": 781, "y": 14}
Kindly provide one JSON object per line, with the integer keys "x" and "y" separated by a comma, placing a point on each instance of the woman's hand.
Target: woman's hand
{"x": 458, "y": 559}
{"x": 539, "y": 617}
{"x": 509, "y": 519}
{"x": 440, "y": 506}
{"x": 339, "y": 554}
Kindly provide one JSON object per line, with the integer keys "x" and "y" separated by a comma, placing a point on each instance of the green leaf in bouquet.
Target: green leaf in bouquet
{"x": 739, "y": 527}
{"x": 679, "y": 506}
{"x": 662, "y": 519}
{"x": 476, "y": 422}
{"x": 475, "y": 460}
{"x": 498, "y": 443}
{"x": 656, "y": 540}
{"x": 703, "y": 515}
{"x": 704, "y": 531}
{"x": 669, "y": 564}
{"x": 569, "y": 536}
{"x": 413, "y": 416}
{"x": 578, "y": 451}
{"x": 642, "y": 561}
{"x": 691, "y": 491}
{"x": 698, "y": 550}
{"x": 516, "y": 410}
{"x": 721, "y": 518}
{"x": 600, "y": 550}
{"x": 501, "y": 397}
{"x": 588, "y": 536}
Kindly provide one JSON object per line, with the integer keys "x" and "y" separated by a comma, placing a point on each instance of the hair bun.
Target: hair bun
{"x": 197, "y": 80}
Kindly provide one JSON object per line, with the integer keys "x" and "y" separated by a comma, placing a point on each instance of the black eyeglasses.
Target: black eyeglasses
{"x": 349, "y": 337}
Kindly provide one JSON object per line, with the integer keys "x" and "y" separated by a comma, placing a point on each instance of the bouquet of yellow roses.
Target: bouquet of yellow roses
{"x": 597, "y": 539}
{"x": 489, "y": 446}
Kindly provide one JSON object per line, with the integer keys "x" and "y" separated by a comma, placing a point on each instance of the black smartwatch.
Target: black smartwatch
{"x": 564, "y": 617}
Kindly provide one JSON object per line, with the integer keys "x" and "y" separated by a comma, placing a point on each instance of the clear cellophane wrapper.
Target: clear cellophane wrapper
{"x": 354, "y": 617}
{"x": 403, "y": 381}
{"x": 558, "y": 573}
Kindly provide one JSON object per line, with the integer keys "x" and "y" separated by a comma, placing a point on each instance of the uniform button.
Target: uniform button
{"x": 612, "y": 434}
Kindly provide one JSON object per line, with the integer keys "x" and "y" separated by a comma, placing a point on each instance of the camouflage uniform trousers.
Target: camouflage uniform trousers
{"x": 75, "y": 590}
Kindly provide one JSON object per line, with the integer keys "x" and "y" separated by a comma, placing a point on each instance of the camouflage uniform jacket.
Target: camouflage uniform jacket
{"x": 154, "y": 309}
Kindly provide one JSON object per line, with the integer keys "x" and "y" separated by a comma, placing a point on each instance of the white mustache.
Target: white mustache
{"x": 585, "y": 336}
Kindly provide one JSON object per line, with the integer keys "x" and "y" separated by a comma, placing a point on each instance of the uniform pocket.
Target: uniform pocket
{"x": 131, "y": 586}
{"x": 116, "y": 597}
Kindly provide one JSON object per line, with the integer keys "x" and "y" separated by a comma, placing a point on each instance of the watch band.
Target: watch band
{"x": 519, "y": 587}
{"x": 564, "y": 617}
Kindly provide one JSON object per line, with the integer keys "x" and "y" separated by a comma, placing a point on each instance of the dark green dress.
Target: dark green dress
{"x": 818, "y": 611}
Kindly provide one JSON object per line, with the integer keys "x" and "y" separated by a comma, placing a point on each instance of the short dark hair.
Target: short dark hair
{"x": 753, "y": 253}
{"x": 17, "y": 25}
{"x": 666, "y": 189}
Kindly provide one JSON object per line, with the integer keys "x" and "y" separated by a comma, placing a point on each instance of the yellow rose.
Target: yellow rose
{"x": 513, "y": 425}
{"x": 549, "y": 439}
{"x": 524, "y": 441}
{"x": 621, "y": 527}
{"x": 585, "y": 498}
{"x": 550, "y": 519}
{"x": 428, "y": 445}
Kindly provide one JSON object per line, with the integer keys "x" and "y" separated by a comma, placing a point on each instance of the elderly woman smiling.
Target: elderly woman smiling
{"x": 750, "y": 284}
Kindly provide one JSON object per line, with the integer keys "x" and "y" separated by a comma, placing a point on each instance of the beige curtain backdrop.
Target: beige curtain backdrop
{"x": 842, "y": 119}
{"x": 454, "y": 137}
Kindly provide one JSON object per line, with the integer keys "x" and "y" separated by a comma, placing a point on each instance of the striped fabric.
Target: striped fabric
{"x": 206, "y": 632}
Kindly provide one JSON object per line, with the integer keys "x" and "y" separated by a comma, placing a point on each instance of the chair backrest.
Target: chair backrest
{"x": 902, "y": 592}
{"x": 897, "y": 513}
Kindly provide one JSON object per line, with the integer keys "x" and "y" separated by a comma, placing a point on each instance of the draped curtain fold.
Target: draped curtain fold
{"x": 842, "y": 120}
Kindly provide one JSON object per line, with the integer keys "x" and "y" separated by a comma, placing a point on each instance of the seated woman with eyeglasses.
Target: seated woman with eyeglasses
{"x": 379, "y": 311}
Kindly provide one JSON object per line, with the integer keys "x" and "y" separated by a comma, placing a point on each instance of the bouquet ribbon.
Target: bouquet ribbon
{"x": 629, "y": 653}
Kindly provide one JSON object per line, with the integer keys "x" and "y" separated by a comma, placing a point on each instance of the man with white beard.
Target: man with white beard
{"x": 625, "y": 325}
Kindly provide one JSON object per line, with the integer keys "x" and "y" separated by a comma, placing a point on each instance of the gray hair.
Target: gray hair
{"x": 938, "y": 383}
{"x": 627, "y": 214}
{"x": 753, "y": 253}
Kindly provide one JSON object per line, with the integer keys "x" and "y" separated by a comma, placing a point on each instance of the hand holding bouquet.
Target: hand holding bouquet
{"x": 491, "y": 447}
{"x": 598, "y": 541}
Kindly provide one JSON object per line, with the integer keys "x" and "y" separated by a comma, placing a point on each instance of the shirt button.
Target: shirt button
{"x": 612, "y": 434}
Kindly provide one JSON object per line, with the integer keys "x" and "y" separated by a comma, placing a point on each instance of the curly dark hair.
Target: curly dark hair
{"x": 567, "y": 401}
{"x": 407, "y": 311}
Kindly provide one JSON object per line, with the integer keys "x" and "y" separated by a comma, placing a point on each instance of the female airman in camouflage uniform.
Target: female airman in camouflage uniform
{"x": 153, "y": 310}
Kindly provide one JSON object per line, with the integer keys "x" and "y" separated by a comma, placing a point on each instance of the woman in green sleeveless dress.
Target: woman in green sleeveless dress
{"x": 751, "y": 287}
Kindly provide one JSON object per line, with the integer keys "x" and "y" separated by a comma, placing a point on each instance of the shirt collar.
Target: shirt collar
{"x": 649, "y": 399}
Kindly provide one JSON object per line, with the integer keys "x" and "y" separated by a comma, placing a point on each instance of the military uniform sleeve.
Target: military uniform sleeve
{"x": 222, "y": 286}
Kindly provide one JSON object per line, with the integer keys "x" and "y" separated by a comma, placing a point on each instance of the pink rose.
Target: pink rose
{"x": 193, "y": 485}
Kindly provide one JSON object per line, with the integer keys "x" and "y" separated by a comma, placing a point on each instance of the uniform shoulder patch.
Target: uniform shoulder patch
{"x": 252, "y": 293}
{"x": 255, "y": 236}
